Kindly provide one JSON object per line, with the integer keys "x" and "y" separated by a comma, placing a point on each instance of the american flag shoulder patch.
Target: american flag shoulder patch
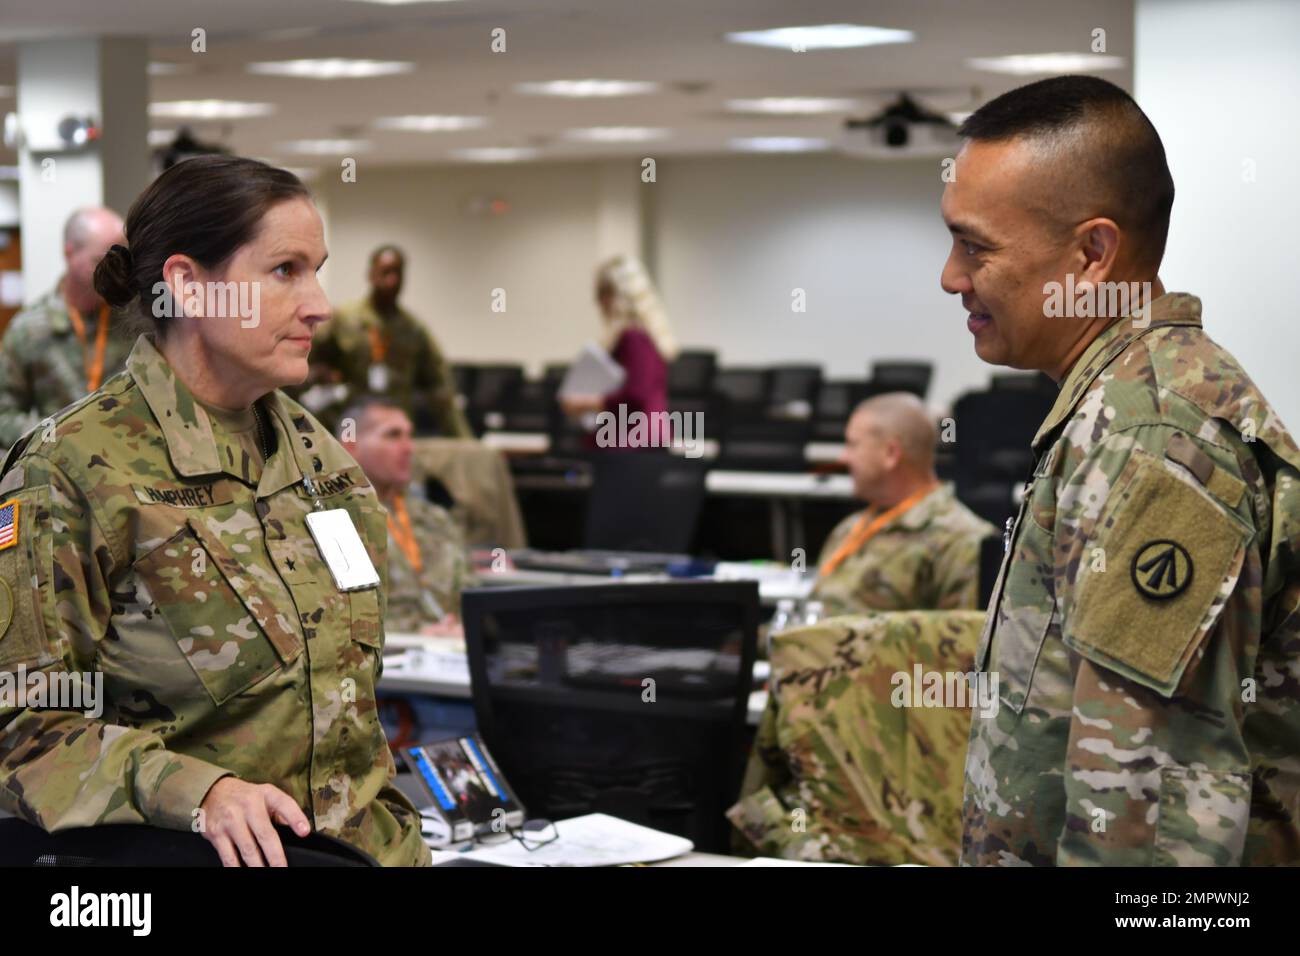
{"x": 9, "y": 523}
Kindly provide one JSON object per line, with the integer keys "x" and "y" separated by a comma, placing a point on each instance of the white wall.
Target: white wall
{"x": 730, "y": 238}
{"x": 1221, "y": 82}
{"x": 733, "y": 238}
{"x": 543, "y": 252}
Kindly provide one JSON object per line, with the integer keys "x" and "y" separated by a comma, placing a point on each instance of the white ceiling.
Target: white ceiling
{"x": 676, "y": 42}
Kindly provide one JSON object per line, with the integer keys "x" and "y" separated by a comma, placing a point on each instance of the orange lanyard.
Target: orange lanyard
{"x": 403, "y": 535}
{"x": 866, "y": 528}
{"x": 95, "y": 366}
{"x": 378, "y": 345}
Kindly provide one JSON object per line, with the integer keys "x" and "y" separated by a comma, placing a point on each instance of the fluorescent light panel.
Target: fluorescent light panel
{"x": 824, "y": 36}
{"x": 778, "y": 144}
{"x": 495, "y": 154}
{"x": 327, "y": 147}
{"x": 334, "y": 68}
{"x": 792, "y": 105}
{"x": 430, "y": 123}
{"x": 587, "y": 88}
{"x": 209, "y": 109}
{"x": 1030, "y": 64}
{"x": 616, "y": 134}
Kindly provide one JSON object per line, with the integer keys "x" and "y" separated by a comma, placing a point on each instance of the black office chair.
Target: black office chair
{"x": 745, "y": 393}
{"x": 22, "y": 844}
{"x": 794, "y": 390}
{"x": 691, "y": 374}
{"x": 911, "y": 377}
{"x": 627, "y": 699}
{"x": 496, "y": 388}
{"x": 643, "y": 501}
{"x": 765, "y": 446}
{"x": 530, "y": 408}
{"x": 836, "y": 400}
{"x": 992, "y": 454}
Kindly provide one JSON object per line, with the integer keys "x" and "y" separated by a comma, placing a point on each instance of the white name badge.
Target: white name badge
{"x": 343, "y": 550}
{"x": 378, "y": 376}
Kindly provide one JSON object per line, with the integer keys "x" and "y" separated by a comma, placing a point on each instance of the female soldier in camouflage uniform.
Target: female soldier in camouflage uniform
{"x": 159, "y": 544}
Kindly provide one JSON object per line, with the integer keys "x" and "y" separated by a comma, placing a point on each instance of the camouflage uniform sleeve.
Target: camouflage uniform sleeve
{"x": 437, "y": 380}
{"x": 62, "y": 766}
{"x": 760, "y": 820}
{"x": 16, "y": 398}
{"x": 1157, "y": 769}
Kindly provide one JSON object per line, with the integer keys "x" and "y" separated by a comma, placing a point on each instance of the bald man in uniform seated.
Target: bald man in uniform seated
{"x": 428, "y": 562}
{"x": 67, "y": 343}
{"x": 916, "y": 547}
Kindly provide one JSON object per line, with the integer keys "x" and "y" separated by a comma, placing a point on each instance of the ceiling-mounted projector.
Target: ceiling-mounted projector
{"x": 903, "y": 130}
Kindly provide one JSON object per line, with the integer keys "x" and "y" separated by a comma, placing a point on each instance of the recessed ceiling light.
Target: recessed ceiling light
{"x": 825, "y": 36}
{"x": 616, "y": 134}
{"x": 495, "y": 154}
{"x": 1028, "y": 64}
{"x": 209, "y": 109}
{"x": 431, "y": 123}
{"x": 335, "y": 68}
{"x": 159, "y": 68}
{"x": 790, "y": 105}
{"x": 778, "y": 144}
{"x": 327, "y": 147}
{"x": 588, "y": 88}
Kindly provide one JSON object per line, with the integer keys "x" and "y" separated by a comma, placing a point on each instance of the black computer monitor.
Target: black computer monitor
{"x": 627, "y": 699}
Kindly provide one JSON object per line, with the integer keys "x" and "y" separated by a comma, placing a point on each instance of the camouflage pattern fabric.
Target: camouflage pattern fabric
{"x": 341, "y": 351}
{"x": 839, "y": 771}
{"x": 43, "y": 364}
{"x": 444, "y": 573}
{"x": 925, "y": 559}
{"x": 224, "y": 645}
{"x": 479, "y": 481}
{"x": 1144, "y": 629}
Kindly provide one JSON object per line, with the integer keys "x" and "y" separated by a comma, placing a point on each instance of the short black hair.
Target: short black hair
{"x": 1123, "y": 154}
{"x": 385, "y": 248}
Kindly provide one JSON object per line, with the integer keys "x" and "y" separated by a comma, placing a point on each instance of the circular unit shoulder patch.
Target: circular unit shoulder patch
{"x": 1161, "y": 569}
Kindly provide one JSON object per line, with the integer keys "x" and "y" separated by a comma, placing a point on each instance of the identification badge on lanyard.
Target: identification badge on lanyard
{"x": 378, "y": 377}
{"x": 343, "y": 550}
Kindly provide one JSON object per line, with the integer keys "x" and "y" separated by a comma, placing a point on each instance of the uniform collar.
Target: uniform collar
{"x": 920, "y": 514}
{"x": 187, "y": 428}
{"x": 1170, "y": 309}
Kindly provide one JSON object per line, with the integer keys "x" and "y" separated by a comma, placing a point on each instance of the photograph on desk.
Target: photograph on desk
{"x": 540, "y": 433}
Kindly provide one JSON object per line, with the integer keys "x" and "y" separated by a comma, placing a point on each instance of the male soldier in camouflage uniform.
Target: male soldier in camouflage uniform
{"x": 1144, "y": 628}
{"x": 55, "y": 351}
{"x": 143, "y": 566}
{"x": 375, "y": 346}
{"x": 428, "y": 563}
{"x": 845, "y": 767}
{"x": 917, "y": 546}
